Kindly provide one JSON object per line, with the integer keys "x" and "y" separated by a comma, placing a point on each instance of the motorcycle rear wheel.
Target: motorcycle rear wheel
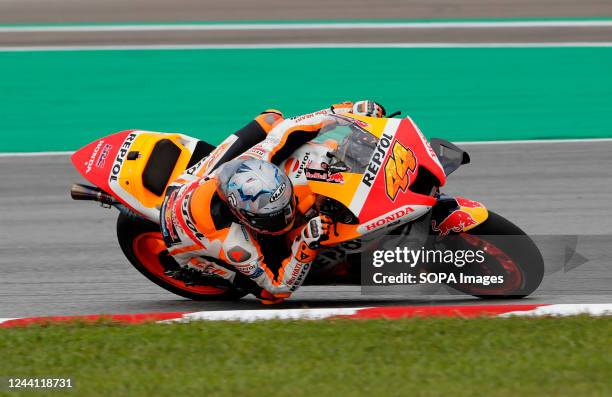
{"x": 142, "y": 243}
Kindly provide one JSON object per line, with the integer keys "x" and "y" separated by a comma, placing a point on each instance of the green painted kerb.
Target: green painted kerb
{"x": 63, "y": 100}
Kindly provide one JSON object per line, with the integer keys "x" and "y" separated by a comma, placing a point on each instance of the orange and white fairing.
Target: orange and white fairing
{"x": 116, "y": 164}
{"x": 390, "y": 182}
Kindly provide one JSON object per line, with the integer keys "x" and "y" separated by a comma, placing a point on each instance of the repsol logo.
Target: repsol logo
{"x": 298, "y": 275}
{"x": 379, "y": 155}
{"x": 187, "y": 217}
{"x": 303, "y": 164}
{"x": 123, "y": 151}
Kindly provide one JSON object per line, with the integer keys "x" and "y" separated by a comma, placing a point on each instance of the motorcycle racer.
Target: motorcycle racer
{"x": 215, "y": 215}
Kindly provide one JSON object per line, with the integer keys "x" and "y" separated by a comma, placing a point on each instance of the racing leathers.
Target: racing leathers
{"x": 201, "y": 232}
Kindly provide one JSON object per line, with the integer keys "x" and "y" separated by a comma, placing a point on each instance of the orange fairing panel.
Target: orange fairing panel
{"x": 130, "y": 177}
{"x": 343, "y": 232}
{"x": 343, "y": 194}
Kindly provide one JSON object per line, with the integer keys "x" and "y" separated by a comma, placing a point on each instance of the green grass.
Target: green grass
{"x": 416, "y": 357}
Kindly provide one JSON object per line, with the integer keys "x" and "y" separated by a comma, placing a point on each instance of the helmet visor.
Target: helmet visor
{"x": 272, "y": 222}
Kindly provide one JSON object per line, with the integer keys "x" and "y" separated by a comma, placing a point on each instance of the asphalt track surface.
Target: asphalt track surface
{"x": 61, "y": 11}
{"x": 323, "y": 36}
{"x": 70, "y": 11}
{"x": 60, "y": 257}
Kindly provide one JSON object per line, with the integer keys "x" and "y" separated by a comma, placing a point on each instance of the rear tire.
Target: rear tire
{"x": 518, "y": 259}
{"x": 142, "y": 243}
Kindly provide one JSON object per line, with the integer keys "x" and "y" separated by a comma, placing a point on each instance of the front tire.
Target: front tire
{"x": 508, "y": 252}
{"x": 142, "y": 243}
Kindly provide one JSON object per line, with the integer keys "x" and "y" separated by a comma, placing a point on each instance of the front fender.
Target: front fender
{"x": 457, "y": 214}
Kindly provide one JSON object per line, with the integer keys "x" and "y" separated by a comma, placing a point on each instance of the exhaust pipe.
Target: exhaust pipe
{"x": 91, "y": 193}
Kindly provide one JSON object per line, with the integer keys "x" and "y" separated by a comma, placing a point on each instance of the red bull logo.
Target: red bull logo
{"x": 456, "y": 222}
{"x": 463, "y": 202}
{"x": 335, "y": 178}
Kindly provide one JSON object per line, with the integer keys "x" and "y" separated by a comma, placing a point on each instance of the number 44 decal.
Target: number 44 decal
{"x": 397, "y": 166}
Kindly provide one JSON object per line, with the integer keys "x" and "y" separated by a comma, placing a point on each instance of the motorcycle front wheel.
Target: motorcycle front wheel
{"x": 507, "y": 251}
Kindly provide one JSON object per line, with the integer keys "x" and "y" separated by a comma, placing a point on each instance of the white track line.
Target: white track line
{"x": 268, "y": 46}
{"x": 555, "y": 310}
{"x": 267, "y": 314}
{"x": 460, "y": 143}
{"x": 592, "y": 309}
{"x": 305, "y": 26}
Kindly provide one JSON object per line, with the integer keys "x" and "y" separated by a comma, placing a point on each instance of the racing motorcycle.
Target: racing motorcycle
{"x": 372, "y": 176}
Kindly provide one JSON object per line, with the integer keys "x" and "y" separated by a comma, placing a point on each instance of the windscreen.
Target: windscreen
{"x": 354, "y": 150}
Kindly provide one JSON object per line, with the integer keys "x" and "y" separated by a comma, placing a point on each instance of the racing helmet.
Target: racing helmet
{"x": 258, "y": 193}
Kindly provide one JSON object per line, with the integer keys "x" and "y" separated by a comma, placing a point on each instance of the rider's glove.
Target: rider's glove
{"x": 316, "y": 230}
{"x": 307, "y": 244}
{"x": 368, "y": 108}
{"x": 344, "y": 107}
